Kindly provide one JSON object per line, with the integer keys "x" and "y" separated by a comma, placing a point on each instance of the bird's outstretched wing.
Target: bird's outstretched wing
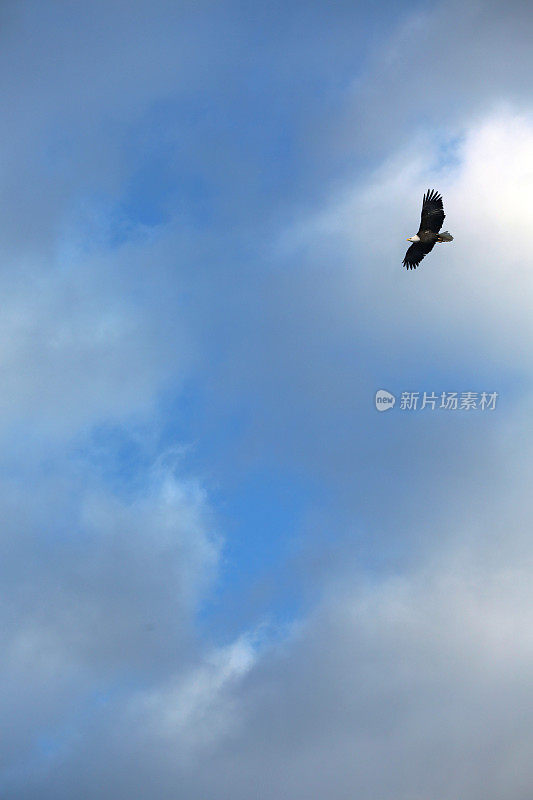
{"x": 432, "y": 212}
{"x": 416, "y": 253}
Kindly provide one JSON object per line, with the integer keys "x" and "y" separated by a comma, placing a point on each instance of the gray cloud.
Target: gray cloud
{"x": 99, "y": 594}
{"x": 440, "y": 67}
{"x": 408, "y": 686}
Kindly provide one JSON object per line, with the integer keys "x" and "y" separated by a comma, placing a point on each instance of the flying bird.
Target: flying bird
{"x": 428, "y": 233}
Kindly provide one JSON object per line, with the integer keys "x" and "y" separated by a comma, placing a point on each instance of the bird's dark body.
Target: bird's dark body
{"x": 430, "y": 224}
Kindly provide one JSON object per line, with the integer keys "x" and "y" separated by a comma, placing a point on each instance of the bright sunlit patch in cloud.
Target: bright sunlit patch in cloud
{"x": 479, "y": 286}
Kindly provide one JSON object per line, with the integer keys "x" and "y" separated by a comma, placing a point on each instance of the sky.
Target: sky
{"x": 224, "y": 573}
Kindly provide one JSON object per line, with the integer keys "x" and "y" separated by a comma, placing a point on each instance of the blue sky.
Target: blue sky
{"x": 224, "y": 573}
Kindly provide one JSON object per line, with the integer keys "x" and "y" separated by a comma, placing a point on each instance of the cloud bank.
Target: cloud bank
{"x": 196, "y": 259}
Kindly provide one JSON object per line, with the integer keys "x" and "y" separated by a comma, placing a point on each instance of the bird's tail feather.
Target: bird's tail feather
{"x": 445, "y": 237}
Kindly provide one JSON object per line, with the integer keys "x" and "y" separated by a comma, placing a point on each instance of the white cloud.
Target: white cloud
{"x": 412, "y": 686}
{"x": 475, "y": 290}
{"x": 97, "y": 592}
{"x": 196, "y": 710}
{"x": 409, "y": 687}
{"x": 92, "y": 340}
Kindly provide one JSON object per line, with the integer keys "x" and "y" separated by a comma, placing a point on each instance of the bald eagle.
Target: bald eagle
{"x": 428, "y": 233}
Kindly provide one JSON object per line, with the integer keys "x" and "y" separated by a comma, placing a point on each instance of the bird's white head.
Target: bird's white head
{"x": 414, "y": 238}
